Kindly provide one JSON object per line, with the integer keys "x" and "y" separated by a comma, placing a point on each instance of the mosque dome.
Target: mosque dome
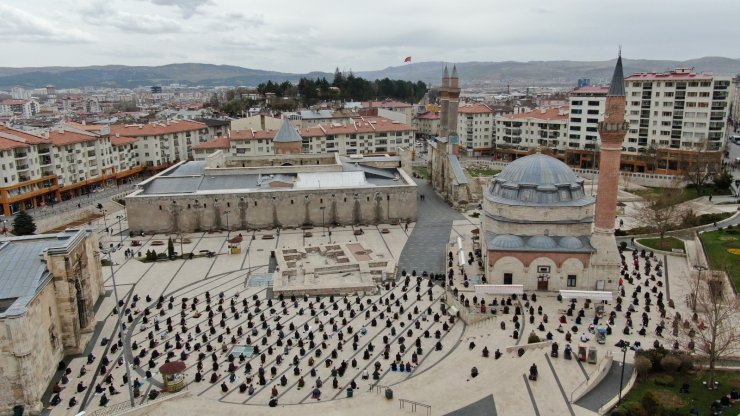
{"x": 541, "y": 242}
{"x": 507, "y": 241}
{"x": 572, "y": 243}
{"x": 538, "y": 180}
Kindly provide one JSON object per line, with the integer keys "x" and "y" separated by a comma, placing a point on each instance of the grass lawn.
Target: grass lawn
{"x": 668, "y": 243}
{"x": 682, "y": 195}
{"x": 698, "y": 396}
{"x": 716, "y": 244}
{"x": 422, "y": 171}
{"x": 483, "y": 171}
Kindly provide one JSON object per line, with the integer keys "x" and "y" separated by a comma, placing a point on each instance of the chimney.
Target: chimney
{"x": 262, "y": 121}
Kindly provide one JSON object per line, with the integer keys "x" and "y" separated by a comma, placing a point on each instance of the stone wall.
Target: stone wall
{"x": 523, "y": 267}
{"x": 270, "y": 209}
{"x": 576, "y": 221}
{"x": 30, "y": 348}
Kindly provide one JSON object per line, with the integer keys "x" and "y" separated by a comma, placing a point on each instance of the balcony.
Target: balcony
{"x": 21, "y": 155}
{"x": 22, "y": 168}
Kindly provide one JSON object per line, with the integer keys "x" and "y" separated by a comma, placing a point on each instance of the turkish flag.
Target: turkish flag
{"x": 408, "y": 59}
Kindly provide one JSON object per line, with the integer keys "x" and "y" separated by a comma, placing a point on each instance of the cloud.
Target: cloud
{"x": 187, "y": 7}
{"x": 101, "y": 14}
{"x": 18, "y": 25}
{"x": 236, "y": 20}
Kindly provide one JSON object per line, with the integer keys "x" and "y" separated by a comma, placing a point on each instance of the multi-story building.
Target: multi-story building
{"x": 396, "y": 106}
{"x": 475, "y": 128}
{"x": 673, "y": 115}
{"x": 28, "y": 176}
{"x": 83, "y": 160}
{"x": 162, "y": 144}
{"x": 362, "y": 135}
{"x": 427, "y": 124}
{"x": 19, "y": 108}
{"x": 517, "y": 133}
{"x": 586, "y": 111}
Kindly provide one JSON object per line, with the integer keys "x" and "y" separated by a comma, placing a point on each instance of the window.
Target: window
{"x": 508, "y": 278}
{"x": 543, "y": 269}
{"x": 571, "y": 280}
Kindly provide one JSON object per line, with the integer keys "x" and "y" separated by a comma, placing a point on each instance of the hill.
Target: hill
{"x": 556, "y": 73}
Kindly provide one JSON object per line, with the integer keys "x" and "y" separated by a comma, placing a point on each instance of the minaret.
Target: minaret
{"x": 444, "y": 101}
{"x": 612, "y": 131}
{"x": 605, "y": 261}
{"x": 453, "y": 93}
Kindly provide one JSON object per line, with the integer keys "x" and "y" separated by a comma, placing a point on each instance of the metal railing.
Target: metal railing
{"x": 403, "y": 402}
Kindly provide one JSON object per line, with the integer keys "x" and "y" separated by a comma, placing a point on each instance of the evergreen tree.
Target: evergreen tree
{"x": 170, "y": 248}
{"x": 23, "y": 224}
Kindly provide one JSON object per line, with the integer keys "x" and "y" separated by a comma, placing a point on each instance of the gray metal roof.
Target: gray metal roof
{"x": 173, "y": 184}
{"x": 22, "y": 269}
{"x": 460, "y": 177}
{"x": 188, "y": 168}
{"x": 370, "y": 171}
{"x": 287, "y": 133}
{"x": 616, "y": 88}
{"x": 226, "y": 182}
{"x": 543, "y": 243}
{"x": 538, "y": 180}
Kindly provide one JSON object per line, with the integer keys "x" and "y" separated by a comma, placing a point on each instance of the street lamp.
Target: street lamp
{"x": 228, "y": 230}
{"x": 695, "y": 295}
{"x": 120, "y": 231}
{"x": 120, "y": 322}
{"x": 323, "y": 223}
{"x": 625, "y": 347}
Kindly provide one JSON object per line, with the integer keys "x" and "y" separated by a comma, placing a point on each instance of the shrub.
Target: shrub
{"x": 651, "y": 404}
{"x": 533, "y": 338}
{"x": 642, "y": 365}
{"x": 664, "y": 380}
{"x": 632, "y": 409}
{"x": 622, "y": 245}
{"x": 687, "y": 361}
{"x": 654, "y": 355}
{"x": 670, "y": 363}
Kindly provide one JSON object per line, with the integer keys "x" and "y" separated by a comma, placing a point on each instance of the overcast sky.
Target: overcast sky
{"x": 319, "y": 35}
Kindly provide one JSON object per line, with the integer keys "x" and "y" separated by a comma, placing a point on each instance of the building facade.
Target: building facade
{"x": 49, "y": 286}
{"x": 517, "y": 133}
{"x": 162, "y": 144}
{"x": 475, "y": 127}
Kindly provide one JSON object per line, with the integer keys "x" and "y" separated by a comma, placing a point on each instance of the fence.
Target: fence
{"x": 125, "y": 407}
{"x": 594, "y": 379}
{"x": 403, "y": 402}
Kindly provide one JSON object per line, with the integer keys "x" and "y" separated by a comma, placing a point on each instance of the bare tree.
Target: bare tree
{"x": 661, "y": 212}
{"x": 715, "y": 329}
{"x": 700, "y": 165}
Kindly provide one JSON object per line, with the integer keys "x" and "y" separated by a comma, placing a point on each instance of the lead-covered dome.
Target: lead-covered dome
{"x": 538, "y": 180}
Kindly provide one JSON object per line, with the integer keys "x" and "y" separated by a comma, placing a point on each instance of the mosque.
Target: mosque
{"x": 541, "y": 230}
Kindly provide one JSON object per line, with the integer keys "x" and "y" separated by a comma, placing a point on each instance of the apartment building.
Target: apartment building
{"x": 19, "y": 108}
{"x": 362, "y": 135}
{"x": 427, "y": 124}
{"x": 83, "y": 160}
{"x": 475, "y": 128}
{"x": 674, "y": 114}
{"x": 395, "y": 106}
{"x": 586, "y": 111}
{"x": 517, "y": 133}
{"x": 163, "y": 143}
{"x": 28, "y": 177}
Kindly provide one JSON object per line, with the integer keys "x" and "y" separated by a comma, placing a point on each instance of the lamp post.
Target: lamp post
{"x": 323, "y": 223}
{"x": 695, "y": 295}
{"x": 625, "y": 347}
{"x": 120, "y": 323}
{"x": 228, "y": 230}
{"x": 120, "y": 230}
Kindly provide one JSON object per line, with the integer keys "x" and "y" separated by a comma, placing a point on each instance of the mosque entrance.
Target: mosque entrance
{"x": 542, "y": 282}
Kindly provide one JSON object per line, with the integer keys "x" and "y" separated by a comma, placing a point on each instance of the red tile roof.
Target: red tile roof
{"x": 429, "y": 115}
{"x": 10, "y": 101}
{"x": 251, "y": 134}
{"x": 65, "y": 137}
{"x": 590, "y": 90}
{"x": 542, "y": 114}
{"x": 474, "y": 108}
{"x": 8, "y": 144}
{"x": 22, "y": 136}
{"x": 121, "y": 141}
{"x": 359, "y": 125}
{"x": 86, "y": 127}
{"x": 386, "y": 104}
{"x": 653, "y": 76}
{"x": 217, "y": 143}
{"x": 155, "y": 129}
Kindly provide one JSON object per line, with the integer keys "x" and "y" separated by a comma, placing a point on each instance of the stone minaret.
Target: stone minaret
{"x": 453, "y": 94}
{"x": 612, "y": 131}
{"x": 444, "y": 101}
{"x": 605, "y": 261}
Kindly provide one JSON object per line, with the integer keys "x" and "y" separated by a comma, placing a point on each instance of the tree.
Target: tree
{"x": 716, "y": 330}
{"x": 661, "y": 212}
{"x": 723, "y": 180}
{"x": 700, "y": 165}
{"x": 23, "y": 224}
{"x": 170, "y": 248}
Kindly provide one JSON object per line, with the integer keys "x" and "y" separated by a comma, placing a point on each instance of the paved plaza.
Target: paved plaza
{"x": 248, "y": 346}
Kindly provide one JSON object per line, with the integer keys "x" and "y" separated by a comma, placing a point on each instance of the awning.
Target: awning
{"x": 586, "y": 294}
{"x": 499, "y": 289}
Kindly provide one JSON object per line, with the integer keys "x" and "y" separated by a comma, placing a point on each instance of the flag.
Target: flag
{"x": 408, "y": 59}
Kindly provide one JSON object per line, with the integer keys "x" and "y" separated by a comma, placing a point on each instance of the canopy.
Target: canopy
{"x": 499, "y": 289}
{"x": 172, "y": 367}
{"x": 586, "y": 294}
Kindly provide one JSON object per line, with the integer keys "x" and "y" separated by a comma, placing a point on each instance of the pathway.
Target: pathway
{"x": 607, "y": 388}
{"x": 427, "y": 243}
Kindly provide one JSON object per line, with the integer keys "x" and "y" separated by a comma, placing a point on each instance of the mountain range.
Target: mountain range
{"x": 541, "y": 73}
